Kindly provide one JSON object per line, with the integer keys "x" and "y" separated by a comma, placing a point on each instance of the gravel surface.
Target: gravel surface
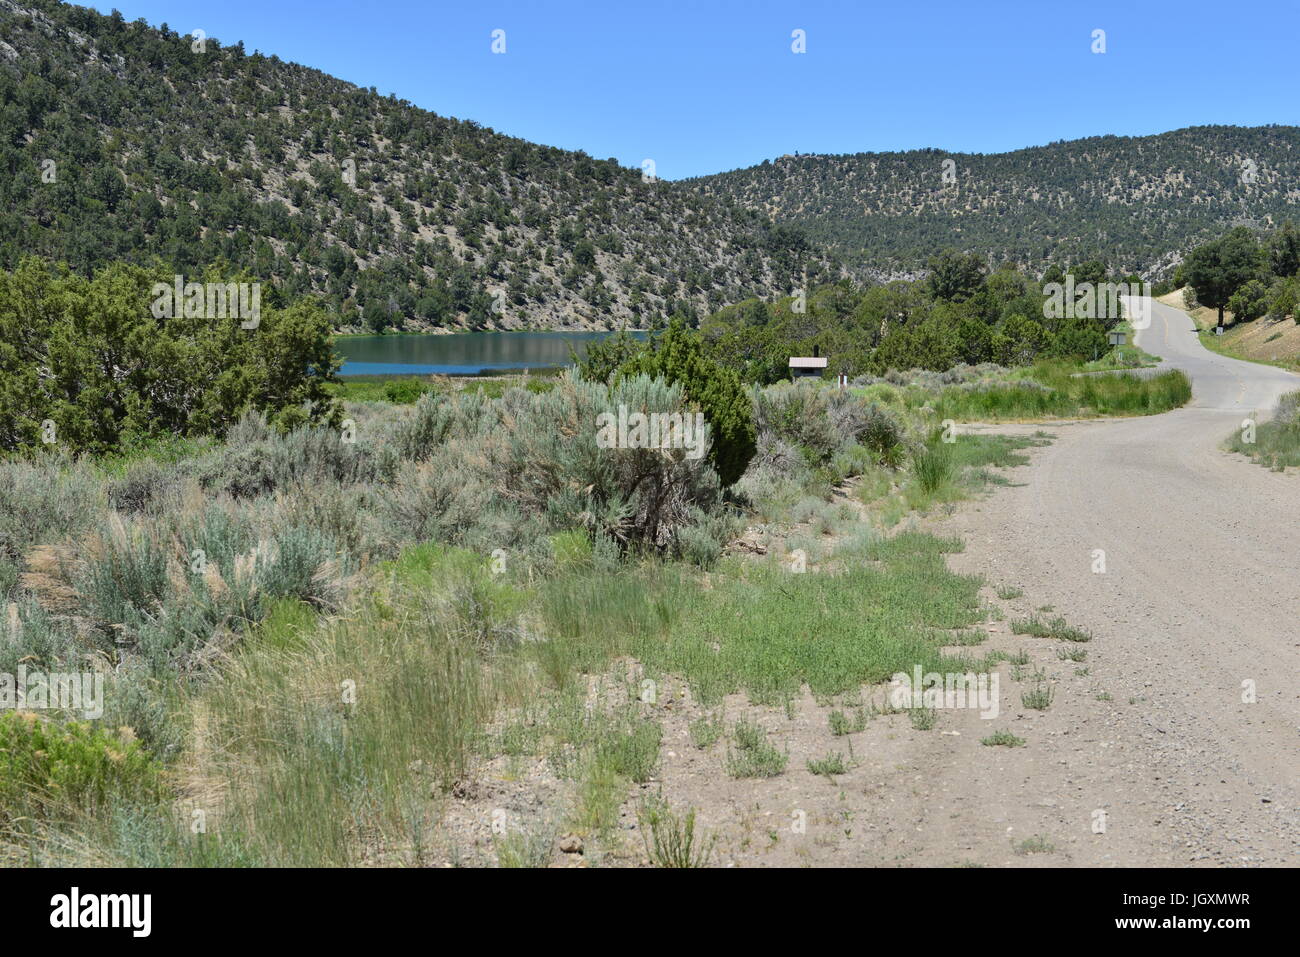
{"x": 1197, "y": 607}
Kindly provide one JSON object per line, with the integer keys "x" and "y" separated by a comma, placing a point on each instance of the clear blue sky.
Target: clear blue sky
{"x": 705, "y": 86}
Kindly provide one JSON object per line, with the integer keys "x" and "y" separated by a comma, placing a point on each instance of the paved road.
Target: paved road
{"x": 1199, "y": 603}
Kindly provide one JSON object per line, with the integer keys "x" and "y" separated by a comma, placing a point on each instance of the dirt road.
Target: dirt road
{"x": 1198, "y": 605}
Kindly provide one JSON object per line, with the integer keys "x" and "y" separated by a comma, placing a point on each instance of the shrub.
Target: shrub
{"x": 866, "y": 423}
{"x": 546, "y": 461}
{"x": 804, "y": 424}
{"x": 754, "y": 756}
{"x": 46, "y": 767}
{"x": 933, "y": 467}
{"x": 148, "y": 705}
{"x": 45, "y": 500}
{"x": 509, "y": 473}
{"x": 630, "y": 748}
{"x": 602, "y": 360}
{"x": 345, "y": 513}
{"x": 125, "y": 573}
{"x": 405, "y": 391}
{"x": 798, "y": 413}
{"x": 768, "y": 492}
{"x": 439, "y": 417}
{"x": 143, "y": 485}
{"x": 38, "y": 641}
{"x": 435, "y": 501}
{"x": 181, "y": 375}
{"x": 701, "y": 542}
{"x": 670, "y": 839}
{"x": 257, "y": 461}
{"x": 302, "y": 563}
{"x": 678, "y": 357}
{"x": 779, "y": 456}
{"x": 8, "y": 577}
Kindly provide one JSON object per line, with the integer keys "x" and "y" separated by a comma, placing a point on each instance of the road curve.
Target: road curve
{"x": 1197, "y": 612}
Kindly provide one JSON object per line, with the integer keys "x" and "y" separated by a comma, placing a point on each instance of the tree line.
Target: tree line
{"x": 959, "y": 312}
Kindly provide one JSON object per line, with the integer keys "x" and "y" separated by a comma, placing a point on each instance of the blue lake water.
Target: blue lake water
{"x": 461, "y": 353}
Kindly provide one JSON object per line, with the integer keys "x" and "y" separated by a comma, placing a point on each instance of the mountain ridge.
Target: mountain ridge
{"x": 1032, "y": 206}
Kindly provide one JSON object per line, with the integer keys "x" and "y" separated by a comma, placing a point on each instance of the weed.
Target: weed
{"x": 1003, "y": 739}
{"x": 706, "y": 731}
{"x": 830, "y": 765}
{"x": 842, "y": 724}
{"x": 1038, "y": 844}
{"x": 924, "y": 719}
{"x": 753, "y": 755}
{"x": 1039, "y": 697}
{"x": 670, "y": 840}
{"x": 1053, "y": 628}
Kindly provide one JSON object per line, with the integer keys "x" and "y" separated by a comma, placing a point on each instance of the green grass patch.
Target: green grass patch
{"x": 752, "y": 755}
{"x": 405, "y": 390}
{"x": 1056, "y": 628}
{"x": 1002, "y": 739}
{"x": 1276, "y": 442}
{"x": 763, "y": 629}
{"x": 828, "y": 766}
{"x": 1053, "y": 390}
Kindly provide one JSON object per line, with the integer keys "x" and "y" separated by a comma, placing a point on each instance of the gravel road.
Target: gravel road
{"x": 1184, "y": 734}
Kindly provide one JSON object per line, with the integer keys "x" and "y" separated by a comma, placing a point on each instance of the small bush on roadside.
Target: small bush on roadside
{"x": 670, "y": 839}
{"x": 933, "y": 468}
{"x": 753, "y": 756}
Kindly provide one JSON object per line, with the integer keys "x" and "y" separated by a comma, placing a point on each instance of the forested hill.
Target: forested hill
{"x": 123, "y": 142}
{"x": 1137, "y": 203}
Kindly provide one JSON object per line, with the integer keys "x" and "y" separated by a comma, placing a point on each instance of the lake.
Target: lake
{"x": 461, "y": 353}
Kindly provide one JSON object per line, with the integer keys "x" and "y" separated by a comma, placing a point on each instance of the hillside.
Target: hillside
{"x": 119, "y": 141}
{"x": 1136, "y": 203}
